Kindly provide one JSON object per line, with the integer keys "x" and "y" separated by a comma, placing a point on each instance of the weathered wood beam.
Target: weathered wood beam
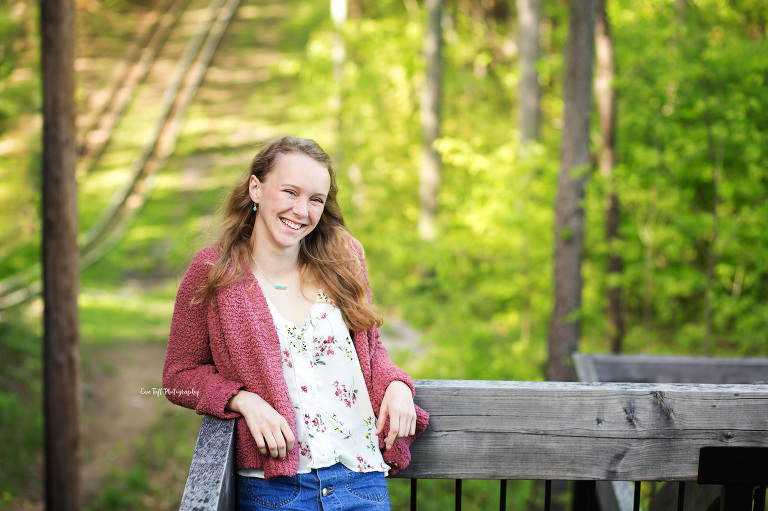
{"x": 541, "y": 430}
{"x": 211, "y": 481}
{"x": 581, "y": 431}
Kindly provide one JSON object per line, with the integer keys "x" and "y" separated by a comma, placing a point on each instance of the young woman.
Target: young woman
{"x": 274, "y": 326}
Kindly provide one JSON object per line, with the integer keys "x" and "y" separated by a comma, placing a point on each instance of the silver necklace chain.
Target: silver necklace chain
{"x": 281, "y": 288}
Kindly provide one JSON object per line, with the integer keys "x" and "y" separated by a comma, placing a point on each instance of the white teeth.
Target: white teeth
{"x": 290, "y": 224}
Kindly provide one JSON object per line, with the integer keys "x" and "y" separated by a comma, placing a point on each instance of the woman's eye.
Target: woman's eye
{"x": 318, "y": 200}
{"x": 291, "y": 193}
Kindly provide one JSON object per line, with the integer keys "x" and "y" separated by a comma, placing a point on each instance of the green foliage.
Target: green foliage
{"x": 20, "y": 405}
{"x": 693, "y": 142}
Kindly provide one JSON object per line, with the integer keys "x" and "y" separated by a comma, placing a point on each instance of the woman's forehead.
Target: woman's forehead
{"x": 300, "y": 170}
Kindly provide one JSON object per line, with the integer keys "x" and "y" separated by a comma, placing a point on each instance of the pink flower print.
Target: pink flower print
{"x": 287, "y": 358}
{"x": 304, "y": 450}
{"x": 362, "y": 464}
{"x": 345, "y": 396}
{"x": 325, "y": 315}
{"x": 317, "y": 424}
{"x": 323, "y": 348}
{"x": 304, "y": 389}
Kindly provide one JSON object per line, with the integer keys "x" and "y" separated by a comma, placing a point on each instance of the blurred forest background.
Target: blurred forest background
{"x": 684, "y": 271}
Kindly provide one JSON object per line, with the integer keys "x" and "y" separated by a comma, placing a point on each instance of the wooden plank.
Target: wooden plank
{"x": 211, "y": 481}
{"x": 668, "y": 369}
{"x": 541, "y": 430}
{"x": 581, "y": 431}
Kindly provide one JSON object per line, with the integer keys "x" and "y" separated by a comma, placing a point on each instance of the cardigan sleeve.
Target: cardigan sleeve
{"x": 190, "y": 376}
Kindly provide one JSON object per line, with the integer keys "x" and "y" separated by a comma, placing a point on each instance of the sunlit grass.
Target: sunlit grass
{"x": 112, "y": 317}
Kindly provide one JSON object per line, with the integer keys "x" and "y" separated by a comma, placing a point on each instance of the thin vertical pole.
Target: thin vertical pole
{"x": 503, "y": 496}
{"x": 636, "y": 506}
{"x": 760, "y": 498}
{"x": 458, "y": 495}
{"x": 414, "y": 488}
{"x": 681, "y": 496}
{"x": 547, "y": 495}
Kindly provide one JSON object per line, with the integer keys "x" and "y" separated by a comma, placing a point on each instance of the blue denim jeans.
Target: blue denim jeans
{"x": 333, "y": 488}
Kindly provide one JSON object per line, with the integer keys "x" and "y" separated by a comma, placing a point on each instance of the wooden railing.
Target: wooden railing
{"x": 557, "y": 431}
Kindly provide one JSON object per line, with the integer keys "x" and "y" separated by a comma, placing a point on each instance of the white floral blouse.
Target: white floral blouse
{"x": 334, "y": 416}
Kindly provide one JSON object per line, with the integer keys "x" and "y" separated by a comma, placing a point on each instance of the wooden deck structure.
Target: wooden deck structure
{"x": 618, "y": 495}
{"x": 547, "y": 431}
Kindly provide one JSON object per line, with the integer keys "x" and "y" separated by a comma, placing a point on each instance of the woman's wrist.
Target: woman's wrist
{"x": 233, "y": 405}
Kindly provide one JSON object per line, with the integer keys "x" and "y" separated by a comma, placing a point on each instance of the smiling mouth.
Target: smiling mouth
{"x": 292, "y": 225}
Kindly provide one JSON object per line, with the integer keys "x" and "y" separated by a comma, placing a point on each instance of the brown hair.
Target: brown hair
{"x": 325, "y": 252}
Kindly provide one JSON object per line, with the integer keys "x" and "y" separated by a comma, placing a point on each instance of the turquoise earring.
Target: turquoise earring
{"x": 255, "y": 207}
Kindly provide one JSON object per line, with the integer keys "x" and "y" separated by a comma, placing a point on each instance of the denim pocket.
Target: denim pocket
{"x": 272, "y": 494}
{"x": 367, "y": 485}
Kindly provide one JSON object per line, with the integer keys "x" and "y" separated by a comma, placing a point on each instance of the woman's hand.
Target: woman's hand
{"x": 269, "y": 428}
{"x": 398, "y": 406}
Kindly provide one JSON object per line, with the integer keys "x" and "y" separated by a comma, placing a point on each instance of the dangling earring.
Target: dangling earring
{"x": 255, "y": 207}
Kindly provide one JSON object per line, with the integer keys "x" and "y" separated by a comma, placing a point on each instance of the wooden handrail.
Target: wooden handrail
{"x": 542, "y": 430}
{"x": 211, "y": 481}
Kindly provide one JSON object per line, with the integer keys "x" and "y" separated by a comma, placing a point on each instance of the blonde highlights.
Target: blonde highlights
{"x": 326, "y": 253}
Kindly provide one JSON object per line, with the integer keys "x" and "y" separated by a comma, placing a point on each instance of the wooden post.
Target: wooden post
{"x": 60, "y": 258}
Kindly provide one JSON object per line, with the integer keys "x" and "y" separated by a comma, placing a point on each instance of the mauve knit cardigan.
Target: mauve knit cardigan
{"x": 214, "y": 351}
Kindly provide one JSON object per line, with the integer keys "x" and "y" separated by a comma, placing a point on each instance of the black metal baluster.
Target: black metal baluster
{"x": 548, "y": 496}
{"x": 681, "y": 496}
{"x": 760, "y": 498}
{"x": 503, "y": 496}
{"x": 583, "y": 495}
{"x": 458, "y": 495}
{"x": 414, "y": 488}
{"x": 636, "y": 505}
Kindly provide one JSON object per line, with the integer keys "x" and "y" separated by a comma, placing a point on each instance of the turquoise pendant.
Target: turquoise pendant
{"x": 282, "y": 288}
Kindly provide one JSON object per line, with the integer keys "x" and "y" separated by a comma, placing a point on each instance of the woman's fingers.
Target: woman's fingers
{"x": 288, "y": 435}
{"x": 398, "y": 406}
{"x": 270, "y": 430}
{"x": 392, "y": 436}
{"x": 383, "y": 412}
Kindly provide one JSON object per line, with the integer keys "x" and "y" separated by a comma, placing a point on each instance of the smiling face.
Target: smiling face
{"x": 291, "y": 200}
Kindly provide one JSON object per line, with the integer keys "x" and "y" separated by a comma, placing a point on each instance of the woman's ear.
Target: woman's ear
{"x": 254, "y": 188}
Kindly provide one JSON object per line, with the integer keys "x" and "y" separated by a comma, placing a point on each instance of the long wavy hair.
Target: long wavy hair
{"x": 325, "y": 253}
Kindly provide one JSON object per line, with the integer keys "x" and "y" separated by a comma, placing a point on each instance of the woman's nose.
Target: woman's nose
{"x": 300, "y": 208}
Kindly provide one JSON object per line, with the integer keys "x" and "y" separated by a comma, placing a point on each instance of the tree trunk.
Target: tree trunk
{"x": 60, "y": 258}
{"x": 529, "y": 116}
{"x": 430, "y": 121}
{"x": 529, "y": 102}
{"x": 605, "y": 95}
{"x": 569, "y": 212}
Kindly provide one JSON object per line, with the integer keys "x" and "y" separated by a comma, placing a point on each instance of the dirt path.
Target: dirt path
{"x": 118, "y": 405}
